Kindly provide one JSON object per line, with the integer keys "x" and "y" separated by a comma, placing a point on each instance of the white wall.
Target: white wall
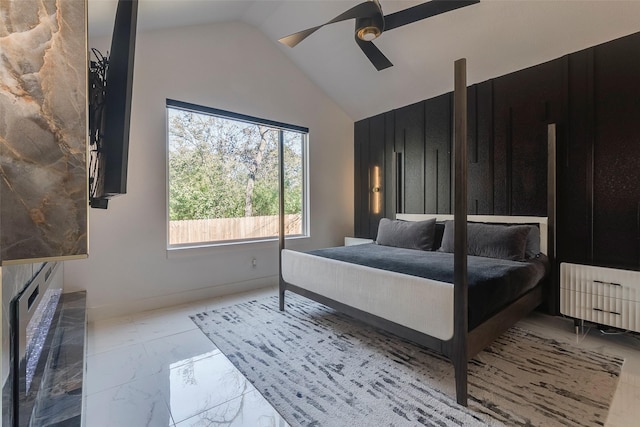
{"x": 234, "y": 67}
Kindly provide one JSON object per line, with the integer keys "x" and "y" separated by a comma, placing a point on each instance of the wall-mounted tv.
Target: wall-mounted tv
{"x": 110, "y": 109}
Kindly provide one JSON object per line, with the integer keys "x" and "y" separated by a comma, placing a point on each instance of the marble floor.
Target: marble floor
{"x": 157, "y": 369}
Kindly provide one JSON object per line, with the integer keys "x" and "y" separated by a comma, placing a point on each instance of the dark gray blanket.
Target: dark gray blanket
{"x": 493, "y": 283}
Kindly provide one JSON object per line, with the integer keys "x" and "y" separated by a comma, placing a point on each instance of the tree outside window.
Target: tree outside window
{"x": 223, "y": 176}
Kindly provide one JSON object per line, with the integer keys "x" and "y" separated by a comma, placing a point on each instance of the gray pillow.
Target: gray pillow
{"x": 533, "y": 242}
{"x": 406, "y": 234}
{"x": 490, "y": 240}
{"x": 532, "y": 248}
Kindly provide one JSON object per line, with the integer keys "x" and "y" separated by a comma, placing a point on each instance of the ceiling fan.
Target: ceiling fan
{"x": 370, "y": 23}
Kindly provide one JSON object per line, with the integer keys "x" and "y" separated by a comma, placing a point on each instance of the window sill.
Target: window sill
{"x": 212, "y": 248}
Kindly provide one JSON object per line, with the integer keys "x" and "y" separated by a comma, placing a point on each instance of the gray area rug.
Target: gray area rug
{"x": 318, "y": 367}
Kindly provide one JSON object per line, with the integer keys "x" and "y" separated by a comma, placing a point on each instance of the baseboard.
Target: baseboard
{"x": 124, "y": 308}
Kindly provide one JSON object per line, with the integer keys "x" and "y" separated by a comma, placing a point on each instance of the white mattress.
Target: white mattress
{"x": 422, "y": 304}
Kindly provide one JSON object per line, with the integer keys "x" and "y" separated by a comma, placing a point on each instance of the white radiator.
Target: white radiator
{"x": 602, "y": 295}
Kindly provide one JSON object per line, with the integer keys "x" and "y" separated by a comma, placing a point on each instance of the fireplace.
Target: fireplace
{"x": 46, "y": 356}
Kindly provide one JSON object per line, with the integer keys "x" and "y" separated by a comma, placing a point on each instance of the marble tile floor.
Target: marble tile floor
{"x": 157, "y": 368}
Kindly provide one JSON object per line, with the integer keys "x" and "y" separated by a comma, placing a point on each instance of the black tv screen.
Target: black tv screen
{"x": 116, "y": 113}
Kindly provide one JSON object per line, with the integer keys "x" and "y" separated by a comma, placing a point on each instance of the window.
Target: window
{"x": 223, "y": 171}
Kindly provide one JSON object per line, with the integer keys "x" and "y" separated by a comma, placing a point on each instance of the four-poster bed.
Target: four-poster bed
{"x": 429, "y": 311}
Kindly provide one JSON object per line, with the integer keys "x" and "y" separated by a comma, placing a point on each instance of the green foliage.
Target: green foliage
{"x": 220, "y": 168}
{"x": 265, "y": 199}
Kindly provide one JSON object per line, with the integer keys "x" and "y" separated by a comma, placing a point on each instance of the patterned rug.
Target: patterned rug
{"x": 318, "y": 367}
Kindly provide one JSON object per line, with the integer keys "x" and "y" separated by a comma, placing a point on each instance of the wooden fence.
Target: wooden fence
{"x": 212, "y": 230}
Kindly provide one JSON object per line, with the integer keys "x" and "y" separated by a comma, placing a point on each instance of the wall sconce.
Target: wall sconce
{"x": 376, "y": 190}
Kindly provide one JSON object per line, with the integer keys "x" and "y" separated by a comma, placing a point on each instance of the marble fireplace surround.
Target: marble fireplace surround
{"x": 43, "y": 145}
{"x": 43, "y": 137}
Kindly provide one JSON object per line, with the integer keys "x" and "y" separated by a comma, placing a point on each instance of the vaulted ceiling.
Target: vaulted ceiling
{"x": 496, "y": 37}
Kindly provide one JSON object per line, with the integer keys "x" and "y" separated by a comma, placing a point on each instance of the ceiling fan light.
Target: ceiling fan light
{"x": 368, "y": 33}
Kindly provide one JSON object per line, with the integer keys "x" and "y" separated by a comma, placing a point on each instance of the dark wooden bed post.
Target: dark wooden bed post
{"x": 460, "y": 285}
{"x": 282, "y": 231}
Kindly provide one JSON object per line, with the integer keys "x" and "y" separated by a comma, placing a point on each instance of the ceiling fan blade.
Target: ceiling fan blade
{"x": 376, "y": 57}
{"x": 295, "y": 38}
{"x": 422, "y": 11}
{"x": 362, "y": 10}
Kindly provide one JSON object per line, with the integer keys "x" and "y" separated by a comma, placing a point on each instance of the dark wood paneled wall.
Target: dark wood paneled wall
{"x": 480, "y": 135}
{"x": 616, "y": 174}
{"x": 361, "y": 178}
{"x": 575, "y": 163}
{"x": 594, "y": 98}
{"x": 409, "y": 143}
{"x": 371, "y": 150}
{"x": 437, "y": 149}
{"x": 599, "y": 161}
{"x": 523, "y": 104}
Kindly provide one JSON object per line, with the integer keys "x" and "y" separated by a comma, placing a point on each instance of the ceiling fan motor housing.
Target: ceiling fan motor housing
{"x": 369, "y": 28}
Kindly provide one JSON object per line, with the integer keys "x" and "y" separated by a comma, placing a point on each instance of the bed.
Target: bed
{"x": 429, "y": 311}
{"x": 409, "y": 291}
